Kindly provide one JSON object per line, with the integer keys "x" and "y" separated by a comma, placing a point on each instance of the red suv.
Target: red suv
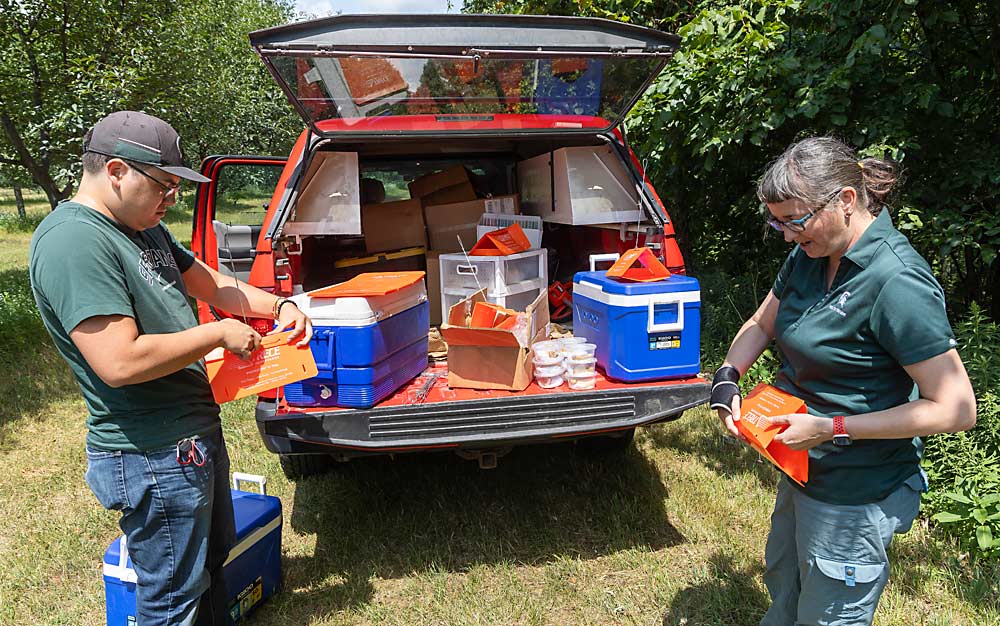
{"x": 411, "y": 96}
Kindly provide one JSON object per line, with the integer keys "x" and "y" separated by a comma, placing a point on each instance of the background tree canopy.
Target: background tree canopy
{"x": 64, "y": 64}
{"x": 913, "y": 80}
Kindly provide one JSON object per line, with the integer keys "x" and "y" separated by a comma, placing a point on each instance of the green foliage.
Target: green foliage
{"x": 964, "y": 468}
{"x": 14, "y": 223}
{"x": 20, "y": 324}
{"x": 64, "y": 64}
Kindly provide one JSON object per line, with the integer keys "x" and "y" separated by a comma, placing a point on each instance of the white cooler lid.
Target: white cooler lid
{"x": 359, "y": 311}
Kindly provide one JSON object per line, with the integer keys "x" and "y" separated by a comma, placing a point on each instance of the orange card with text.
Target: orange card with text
{"x": 761, "y": 404}
{"x": 277, "y": 363}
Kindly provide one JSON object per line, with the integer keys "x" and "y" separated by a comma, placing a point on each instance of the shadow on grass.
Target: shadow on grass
{"x": 435, "y": 512}
{"x": 702, "y": 437}
{"x": 729, "y": 596}
{"x": 32, "y": 374}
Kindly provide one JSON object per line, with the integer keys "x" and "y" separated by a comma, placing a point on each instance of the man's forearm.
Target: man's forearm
{"x": 152, "y": 356}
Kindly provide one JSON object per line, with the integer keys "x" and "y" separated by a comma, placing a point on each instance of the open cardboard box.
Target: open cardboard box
{"x": 491, "y": 358}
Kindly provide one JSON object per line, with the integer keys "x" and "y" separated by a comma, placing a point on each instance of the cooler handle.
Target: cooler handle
{"x": 671, "y": 298}
{"x": 125, "y": 574}
{"x": 471, "y": 270}
{"x": 239, "y": 477}
{"x": 598, "y": 258}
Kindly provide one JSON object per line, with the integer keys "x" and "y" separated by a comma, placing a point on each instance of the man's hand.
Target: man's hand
{"x": 292, "y": 317}
{"x": 804, "y": 431}
{"x": 239, "y": 338}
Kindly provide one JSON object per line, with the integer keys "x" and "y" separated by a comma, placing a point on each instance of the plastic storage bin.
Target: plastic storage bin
{"x": 252, "y": 571}
{"x": 365, "y": 347}
{"x": 530, "y": 224}
{"x": 518, "y": 299}
{"x": 499, "y": 275}
{"x": 643, "y": 331}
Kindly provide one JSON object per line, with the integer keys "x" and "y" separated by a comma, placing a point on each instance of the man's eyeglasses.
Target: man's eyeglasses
{"x": 166, "y": 189}
{"x": 798, "y": 225}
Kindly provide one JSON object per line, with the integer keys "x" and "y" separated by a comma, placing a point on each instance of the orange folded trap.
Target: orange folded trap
{"x": 649, "y": 268}
{"x": 277, "y": 363}
{"x": 489, "y": 315}
{"x": 759, "y": 406}
{"x": 502, "y": 242}
{"x": 370, "y": 284}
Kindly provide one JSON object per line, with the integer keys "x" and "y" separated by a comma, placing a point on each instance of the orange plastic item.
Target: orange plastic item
{"x": 277, "y": 363}
{"x": 502, "y": 242}
{"x": 759, "y": 406}
{"x": 370, "y": 284}
{"x": 649, "y": 270}
{"x": 488, "y": 315}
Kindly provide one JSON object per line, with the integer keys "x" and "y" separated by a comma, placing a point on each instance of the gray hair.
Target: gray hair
{"x": 814, "y": 169}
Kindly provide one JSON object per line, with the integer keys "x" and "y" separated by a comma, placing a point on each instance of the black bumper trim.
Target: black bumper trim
{"x": 504, "y": 421}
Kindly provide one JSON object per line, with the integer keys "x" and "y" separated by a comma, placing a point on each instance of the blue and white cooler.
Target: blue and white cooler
{"x": 365, "y": 347}
{"x": 252, "y": 571}
{"x": 643, "y": 331}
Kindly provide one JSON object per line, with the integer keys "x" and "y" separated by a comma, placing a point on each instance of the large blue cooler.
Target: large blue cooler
{"x": 643, "y": 331}
{"x": 252, "y": 571}
{"x": 365, "y": 347}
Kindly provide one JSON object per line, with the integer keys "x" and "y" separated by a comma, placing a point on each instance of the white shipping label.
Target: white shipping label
{"x": 502, "y": 206}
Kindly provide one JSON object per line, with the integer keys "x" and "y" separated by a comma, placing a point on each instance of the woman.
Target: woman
{"x": 858, "y": 319}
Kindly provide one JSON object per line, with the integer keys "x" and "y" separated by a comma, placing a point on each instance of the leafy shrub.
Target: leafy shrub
{"x": 963, "y": 467}
{"x": 14, "y": 223}
{"x": 20, "y": 324}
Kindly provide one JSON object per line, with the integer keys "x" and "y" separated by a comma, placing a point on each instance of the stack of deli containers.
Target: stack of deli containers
{"x": 567, "y": 359}
{"x": 365, "y": 347}
{"x": 643, "y": 331}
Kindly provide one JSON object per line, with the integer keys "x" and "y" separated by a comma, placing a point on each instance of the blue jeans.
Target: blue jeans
{"x": 827, "y": 563}
{"x": 178, "y": 524}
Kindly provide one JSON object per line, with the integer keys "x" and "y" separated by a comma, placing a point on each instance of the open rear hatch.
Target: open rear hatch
{"x": 479, "y": 74}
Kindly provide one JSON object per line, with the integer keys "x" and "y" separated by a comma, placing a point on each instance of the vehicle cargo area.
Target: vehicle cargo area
{"x": 523, "y": 230}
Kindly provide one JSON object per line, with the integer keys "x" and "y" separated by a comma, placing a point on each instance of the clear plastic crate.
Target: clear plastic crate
{"x": 499, "y": 275}
{"x": 517, "y": 301}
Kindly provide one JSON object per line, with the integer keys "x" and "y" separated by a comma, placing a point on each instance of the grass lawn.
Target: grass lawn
{"x": 671, "y": 533}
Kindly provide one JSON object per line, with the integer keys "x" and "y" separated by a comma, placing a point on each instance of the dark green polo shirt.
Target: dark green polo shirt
{"x": 84, "y": 264}
{"x": 843, "y": 350}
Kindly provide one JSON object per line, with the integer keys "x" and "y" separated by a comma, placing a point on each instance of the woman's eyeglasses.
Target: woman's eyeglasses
{"x": 798, "y": 225}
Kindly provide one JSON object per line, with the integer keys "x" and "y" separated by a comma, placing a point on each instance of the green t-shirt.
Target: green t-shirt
{"x": 843, "y": 350}
{"x": 84, "y": 264}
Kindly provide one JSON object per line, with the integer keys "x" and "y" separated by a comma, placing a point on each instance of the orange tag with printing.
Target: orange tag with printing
{"x": 276, "y": 363}
{"x": 640, "y": 265}
{"x": 758, "y": 407}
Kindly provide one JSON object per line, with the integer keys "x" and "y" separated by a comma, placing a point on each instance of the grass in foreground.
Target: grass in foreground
{"x": 670, "y": 533}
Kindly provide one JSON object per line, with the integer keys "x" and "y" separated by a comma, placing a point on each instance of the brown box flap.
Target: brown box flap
{"x": 393, "y": 225}
{"x": 424, "y": 185}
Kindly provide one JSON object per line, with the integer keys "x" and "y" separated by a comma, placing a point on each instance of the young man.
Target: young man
{"x": 112, "y": 286}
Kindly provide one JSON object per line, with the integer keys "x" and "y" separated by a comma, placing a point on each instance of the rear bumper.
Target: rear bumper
{"x": 475, "y": 424}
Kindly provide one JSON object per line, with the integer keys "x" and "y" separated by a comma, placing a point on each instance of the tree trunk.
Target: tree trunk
{"x": 19, "y": 200}
{"x": 39, "y": 174}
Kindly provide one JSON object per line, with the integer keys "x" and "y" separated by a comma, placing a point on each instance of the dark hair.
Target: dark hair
{"x": 93, "y": 163}
{"x": 813, "y": 169}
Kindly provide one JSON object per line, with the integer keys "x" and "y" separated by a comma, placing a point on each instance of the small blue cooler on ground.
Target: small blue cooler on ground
{"x": 643, "y": 331}
{"x": 365, "y": 347}
{"x": 252, "y": 571}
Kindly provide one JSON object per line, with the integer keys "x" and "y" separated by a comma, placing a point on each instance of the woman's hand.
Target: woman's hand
{"x": 292, "y": 317}
{"x": 804, "y": 431}
{"x": 730, "y": 417}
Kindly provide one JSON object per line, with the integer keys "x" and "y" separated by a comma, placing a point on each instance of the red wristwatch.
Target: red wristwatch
{"x": 840, "y": 436}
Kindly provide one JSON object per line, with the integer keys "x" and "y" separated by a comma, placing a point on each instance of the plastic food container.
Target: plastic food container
{"x": 547, "y": 350}
{"x": 542, "y": 360}
{"x": 581, "y": 381}
{"x": 549, "y": 382}
{"x": 566, "y": 342}
{"x": 548, "y": 371}
{"x": 581, "y": 367}
{"x": 580, "y": 352}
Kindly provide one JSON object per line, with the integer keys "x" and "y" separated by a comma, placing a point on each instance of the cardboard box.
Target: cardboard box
{"x": 329, "y": 201}
{"x": 448, "y": 195}
{"x": 434, "y": 285}
{"x": 503, "y": 205}
{"x": 491, "y": 358}
{"x": 447, "y": 222}
{"x": 393, "y": 226}
{"x": 428, "y": 183}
